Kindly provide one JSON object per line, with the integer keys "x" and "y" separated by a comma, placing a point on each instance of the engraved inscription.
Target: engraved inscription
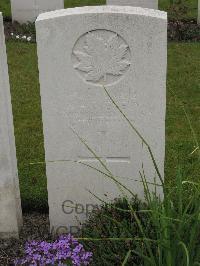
{"x": 101, "y": 57}
{"x": 107, "y": 159}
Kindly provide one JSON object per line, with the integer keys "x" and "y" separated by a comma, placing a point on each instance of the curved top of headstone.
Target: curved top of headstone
{"x": 103, "y": 9}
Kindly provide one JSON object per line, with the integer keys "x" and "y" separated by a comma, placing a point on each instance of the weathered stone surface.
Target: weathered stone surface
{"x": 81, "y": 50}
{"x": 10, "y": 204}
{"x": 25, "y": 11}
{"x": 137, "y": 3}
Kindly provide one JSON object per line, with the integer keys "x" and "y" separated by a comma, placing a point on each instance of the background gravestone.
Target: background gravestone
{"x": 81, "y": 50}
{"x": 141, "y": 3}
{"x": 10, "y": 203}
{"x": 198, "y": 19}
{"x": 24, "y": 11}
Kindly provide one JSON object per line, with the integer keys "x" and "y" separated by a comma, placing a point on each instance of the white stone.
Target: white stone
{"x": 198, "y": 19}
{"x": 79, "y": 51}
{"x": 137, "y": 3}
{"x": 24, "y": 11}
{"x": 10, "y": 203}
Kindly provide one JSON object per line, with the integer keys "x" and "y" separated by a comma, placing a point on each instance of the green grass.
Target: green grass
{"x": 157, "y": 233}
{"x": 23, "y": 72}
{"x": 183, "y": 79}
{"x": 5, "y": 8}
{"x": 163, "y": 5}
{"x": 191, "y": 12}
{"x": 74, "y": 3}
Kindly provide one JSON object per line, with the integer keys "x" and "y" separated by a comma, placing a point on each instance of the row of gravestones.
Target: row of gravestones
{"x": 85, "y": 55}
{"x": 27, "y": 10}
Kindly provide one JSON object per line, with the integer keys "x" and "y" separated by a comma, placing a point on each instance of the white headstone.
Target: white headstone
{"x": 10, "y": 204}
{"x": 24, "y": 11}
{"x": 198, "y": 19}
{"x": 81, "y": 50}
{"x": 137, "y": 3}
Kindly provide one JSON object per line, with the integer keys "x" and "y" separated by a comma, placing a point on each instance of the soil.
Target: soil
{"x": 36, "y": 227}
{"x": 178, "y": 30}
{"x": 17, "y": 29}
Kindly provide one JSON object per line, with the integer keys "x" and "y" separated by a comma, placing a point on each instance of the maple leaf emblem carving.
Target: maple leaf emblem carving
{"x": 101, "y": 57}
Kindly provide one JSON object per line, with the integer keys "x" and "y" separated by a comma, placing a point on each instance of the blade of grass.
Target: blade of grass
{"x": 186, "y": 252}
{"x": 139, "y": 135}
{"x": 126, "y": 258}
{"x": 188, "y": 120}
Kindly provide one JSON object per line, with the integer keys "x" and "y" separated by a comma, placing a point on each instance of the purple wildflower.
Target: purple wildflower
{"x": 64, "y": 251}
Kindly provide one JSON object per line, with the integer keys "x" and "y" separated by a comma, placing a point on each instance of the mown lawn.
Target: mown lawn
{"x": 183, "y": 80}
{"x": 163, "y": 5}
{"x": 22, "y": 60}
